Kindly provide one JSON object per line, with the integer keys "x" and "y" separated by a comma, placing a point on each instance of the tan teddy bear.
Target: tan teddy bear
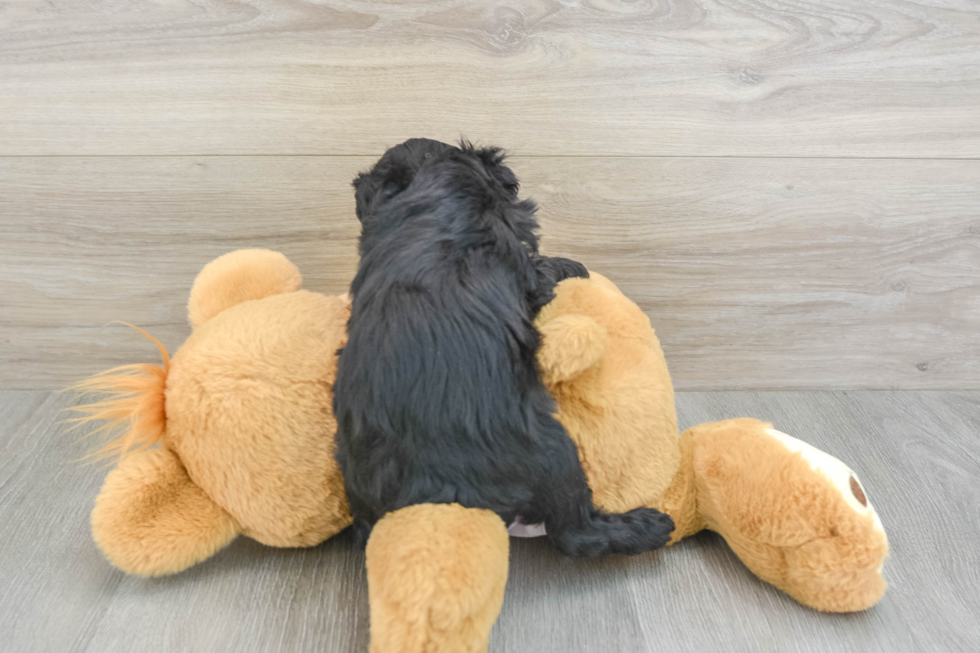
{"x": 244, "y": 431}
{"x": 243, "y": 419}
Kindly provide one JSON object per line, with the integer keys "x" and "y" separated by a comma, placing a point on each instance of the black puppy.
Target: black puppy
{"x": 437, "y": 396}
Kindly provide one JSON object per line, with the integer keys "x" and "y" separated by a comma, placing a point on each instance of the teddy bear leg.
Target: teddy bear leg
{"x": 150, "y": 519}
{"x": 796, "y": 516}
{"x": 436, "y": 577}
{"x": 237, "y": 277}
{"x": 680, "y": 500}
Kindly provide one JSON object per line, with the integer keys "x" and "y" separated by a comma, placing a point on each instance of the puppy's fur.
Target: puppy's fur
{"x": 437, "y": 396}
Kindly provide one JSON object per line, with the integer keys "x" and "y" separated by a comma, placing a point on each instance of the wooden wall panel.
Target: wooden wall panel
{"x": 757, "y": 273}
{"x": 598, "y": 77}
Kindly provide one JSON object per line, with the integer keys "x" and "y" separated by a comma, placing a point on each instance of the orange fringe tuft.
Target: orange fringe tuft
{"x": 135, "y": 402}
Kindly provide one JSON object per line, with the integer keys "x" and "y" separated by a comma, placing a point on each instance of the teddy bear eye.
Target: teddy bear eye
{"x": 858, "y": 492}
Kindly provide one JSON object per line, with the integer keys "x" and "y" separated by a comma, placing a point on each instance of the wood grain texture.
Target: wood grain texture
{"x": 757, "y": 273}
{"x": 598, "y": 77}
{"x": 916, "y": 452}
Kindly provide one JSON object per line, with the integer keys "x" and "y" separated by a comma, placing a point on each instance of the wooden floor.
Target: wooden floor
{"x": 917, "y": 453}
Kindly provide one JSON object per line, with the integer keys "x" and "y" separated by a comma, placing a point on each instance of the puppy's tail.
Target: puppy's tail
{"x": 133, "y": 399}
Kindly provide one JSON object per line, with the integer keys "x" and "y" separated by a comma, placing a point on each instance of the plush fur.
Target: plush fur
{"x": 151, "y": 519}
{"x": 437, "y": 397}
{"x": 792, "y": 515}
{"x": 232, "y": 279}
{"x": 788, "y": 521}
{"x": 255, "y": 431}
{"x": 135, "y": 403}
{"x": 241, "y": 416}
{"x": 436, "y": 576}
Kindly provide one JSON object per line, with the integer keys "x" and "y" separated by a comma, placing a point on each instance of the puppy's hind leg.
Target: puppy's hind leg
{"x": 579, "y": 529}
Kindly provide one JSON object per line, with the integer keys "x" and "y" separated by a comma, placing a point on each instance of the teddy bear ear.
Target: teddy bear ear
{"x": 570, "y": 344}
{"x": 151, "y": 519}
{"x": 237, "y": 277}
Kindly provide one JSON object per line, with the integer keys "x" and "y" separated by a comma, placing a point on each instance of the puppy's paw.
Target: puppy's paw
{"x": 550, "y": 271}
{"x": 558, "y": 269}
{"x": 651, "y": 529}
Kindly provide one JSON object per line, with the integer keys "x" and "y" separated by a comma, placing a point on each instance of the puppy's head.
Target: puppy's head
{"x": 468, "y": 187}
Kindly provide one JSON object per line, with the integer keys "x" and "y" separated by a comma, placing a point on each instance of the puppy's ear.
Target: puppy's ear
{"x": 365, "y": 190}
{"x": 492, "y": 159}
{"x": 372, "y": 190}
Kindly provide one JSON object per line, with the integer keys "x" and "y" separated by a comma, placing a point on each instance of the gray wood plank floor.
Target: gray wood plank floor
{"x": 917, "y": 452}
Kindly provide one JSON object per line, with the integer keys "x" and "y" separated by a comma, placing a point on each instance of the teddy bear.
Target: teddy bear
{"x": 242, "y": 419}
{"x": 796, "y": 516}
{"x": 243, "y": 431}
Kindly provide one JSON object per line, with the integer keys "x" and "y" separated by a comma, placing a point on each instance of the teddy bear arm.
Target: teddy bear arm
{"x": 150, "y": 519}
{"x": 570, "y": 344}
